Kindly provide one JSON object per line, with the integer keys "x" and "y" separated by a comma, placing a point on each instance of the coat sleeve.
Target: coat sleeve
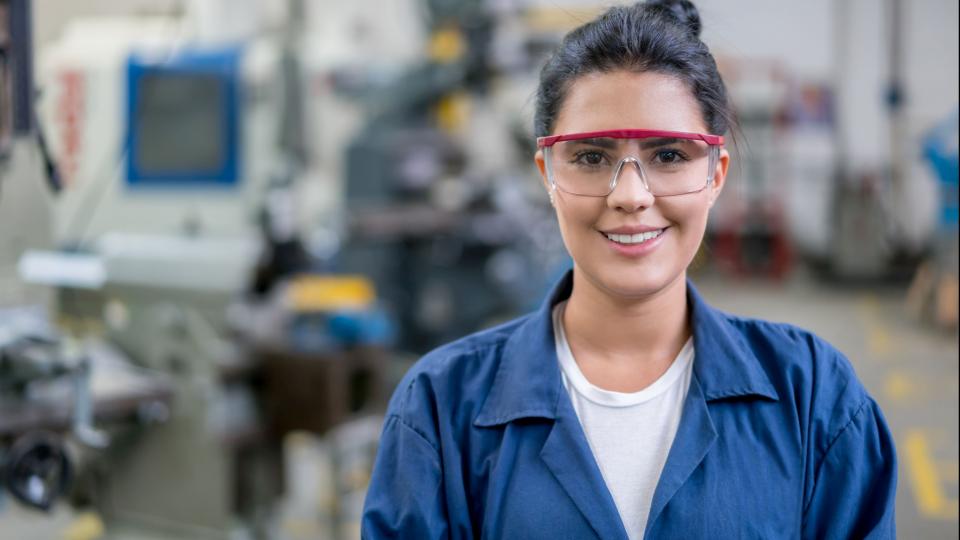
{"x": 855, "y": 481}
{"x": 405, "y": 496}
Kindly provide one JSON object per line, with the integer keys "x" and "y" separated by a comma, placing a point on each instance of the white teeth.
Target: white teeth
{"x": 634, "y": 238}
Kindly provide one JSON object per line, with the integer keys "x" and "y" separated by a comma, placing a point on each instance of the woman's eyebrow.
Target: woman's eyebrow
{"x": 611, "y": 142}
{"x": 602, "y": 142}
{"x": 659, "y": 141}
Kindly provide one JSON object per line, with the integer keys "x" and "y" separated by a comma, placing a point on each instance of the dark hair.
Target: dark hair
{"x": 659, "y": 35}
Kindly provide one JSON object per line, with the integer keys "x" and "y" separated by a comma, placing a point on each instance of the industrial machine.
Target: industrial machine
{"x": 169, "y": 146}
{"x": 137, "y": 116}
{"x": 64, "y": 397}
{"x": 437, "y": 192}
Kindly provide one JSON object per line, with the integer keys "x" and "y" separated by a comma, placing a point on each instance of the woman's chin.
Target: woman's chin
{"x": 634, "y": 287}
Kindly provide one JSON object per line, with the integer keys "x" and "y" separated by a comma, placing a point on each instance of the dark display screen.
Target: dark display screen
{"x": 180, "y": 123}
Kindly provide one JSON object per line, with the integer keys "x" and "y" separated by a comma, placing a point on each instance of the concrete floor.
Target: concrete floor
{"x": 911, "y": 370}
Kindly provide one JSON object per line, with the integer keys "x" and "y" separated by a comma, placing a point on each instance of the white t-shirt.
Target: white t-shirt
{"x": 630, "y": 433}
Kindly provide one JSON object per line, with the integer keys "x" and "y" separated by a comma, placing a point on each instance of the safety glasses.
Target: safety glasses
{"x": 669, "y": 163}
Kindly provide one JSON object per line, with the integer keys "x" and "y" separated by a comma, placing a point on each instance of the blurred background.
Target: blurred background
{"x": 228, "y": 227}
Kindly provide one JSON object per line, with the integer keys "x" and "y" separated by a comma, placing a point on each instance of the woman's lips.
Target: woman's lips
{"x": 636, "y": 243}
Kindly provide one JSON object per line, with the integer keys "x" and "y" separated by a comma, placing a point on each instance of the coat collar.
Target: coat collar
{"x": 528, "y": 383}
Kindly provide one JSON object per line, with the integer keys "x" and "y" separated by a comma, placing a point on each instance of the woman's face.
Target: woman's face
{"x": 625, "y": 100}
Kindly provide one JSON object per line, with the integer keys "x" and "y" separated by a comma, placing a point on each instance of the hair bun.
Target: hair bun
{"x": 682, "y": 12}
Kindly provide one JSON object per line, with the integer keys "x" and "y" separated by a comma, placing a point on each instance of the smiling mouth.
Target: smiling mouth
{"x": 633, "y": 239}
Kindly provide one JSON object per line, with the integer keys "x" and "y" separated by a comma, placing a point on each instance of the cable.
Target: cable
{"x": 54, "y": 180}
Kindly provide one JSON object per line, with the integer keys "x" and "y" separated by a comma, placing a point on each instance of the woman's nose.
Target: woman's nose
{"x": 630, "y": 192}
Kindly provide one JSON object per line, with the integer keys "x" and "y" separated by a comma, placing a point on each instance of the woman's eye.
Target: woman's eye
{"x": 668, "y": 156}
{"x": 590, "y": 158}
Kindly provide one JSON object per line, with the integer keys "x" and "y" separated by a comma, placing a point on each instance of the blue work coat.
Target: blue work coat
{"x": 777, "y": 439}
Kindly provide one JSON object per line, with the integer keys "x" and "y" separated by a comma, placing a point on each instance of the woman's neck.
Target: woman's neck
{"x": 625, "y": 344}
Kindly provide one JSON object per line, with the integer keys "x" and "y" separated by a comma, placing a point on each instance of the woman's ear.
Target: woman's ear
{"x": 719, "y": 175}
{"x": 542, "y": 167}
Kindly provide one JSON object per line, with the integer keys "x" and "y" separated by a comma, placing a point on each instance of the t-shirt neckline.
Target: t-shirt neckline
{"x": 611, "y": 398}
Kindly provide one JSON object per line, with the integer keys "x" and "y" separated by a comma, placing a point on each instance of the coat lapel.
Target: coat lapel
{"x": 695, "y": 436}
{"x": 568, "y": 456}
{"x": 528, "y": 385}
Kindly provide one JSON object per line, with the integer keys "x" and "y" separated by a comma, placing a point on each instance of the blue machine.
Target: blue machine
{"x": 183, "y": 119}
{"x": 940, "y": 151}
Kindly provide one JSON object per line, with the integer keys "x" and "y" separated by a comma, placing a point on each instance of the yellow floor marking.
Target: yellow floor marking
{"x": 898, "y": 386}
{"x": 879, "y": 340}
{"x": 923, "y": 476}
{"x": 87, "y": 526}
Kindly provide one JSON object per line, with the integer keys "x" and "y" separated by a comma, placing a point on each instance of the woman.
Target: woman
{"x": 626, "y": 407}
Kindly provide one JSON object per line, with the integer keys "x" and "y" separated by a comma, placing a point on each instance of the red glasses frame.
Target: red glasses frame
{"x": 712, "y": 140}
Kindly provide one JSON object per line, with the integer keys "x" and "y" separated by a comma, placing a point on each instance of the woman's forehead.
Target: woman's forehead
{"x": 628, "y": 100}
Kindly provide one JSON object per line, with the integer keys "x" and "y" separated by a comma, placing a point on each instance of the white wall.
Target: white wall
{"x": 51, "y": 16}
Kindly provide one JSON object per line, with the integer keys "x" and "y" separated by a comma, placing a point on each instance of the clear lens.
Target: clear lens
{"x": 667, "y": 166}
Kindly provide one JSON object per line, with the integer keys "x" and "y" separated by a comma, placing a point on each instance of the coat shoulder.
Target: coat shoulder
{"x": 812, "y": 372}
{"x": 459, "y": 372}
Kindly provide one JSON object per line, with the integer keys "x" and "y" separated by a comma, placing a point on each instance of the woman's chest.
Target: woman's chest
{"x": 746, "y": 483}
